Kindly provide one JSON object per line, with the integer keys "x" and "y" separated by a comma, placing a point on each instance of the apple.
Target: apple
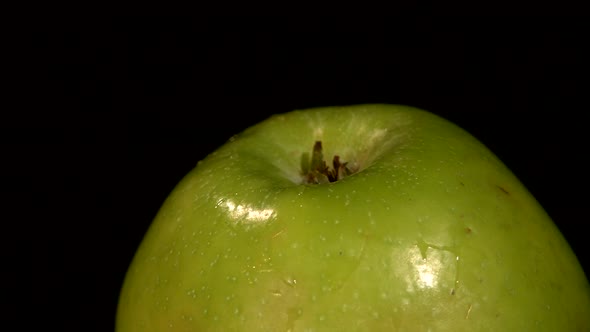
{"x": 353, "y": 218}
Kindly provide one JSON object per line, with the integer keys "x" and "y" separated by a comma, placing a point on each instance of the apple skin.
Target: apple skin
{"x": 433, "y": 233}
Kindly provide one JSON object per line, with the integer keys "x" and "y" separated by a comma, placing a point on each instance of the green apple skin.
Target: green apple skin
{"x": 433, "y": 233}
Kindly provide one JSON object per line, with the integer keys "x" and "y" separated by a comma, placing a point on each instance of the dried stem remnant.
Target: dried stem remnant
{"x": 315, "y": 171}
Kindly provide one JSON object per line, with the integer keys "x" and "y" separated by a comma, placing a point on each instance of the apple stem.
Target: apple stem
{"x": 316, "y": 171}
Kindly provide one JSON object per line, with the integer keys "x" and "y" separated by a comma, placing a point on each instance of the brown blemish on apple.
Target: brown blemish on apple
{"x": 316, "y": 171}
{"x": 467, "y": 230}
{"x": 503, "y": 190}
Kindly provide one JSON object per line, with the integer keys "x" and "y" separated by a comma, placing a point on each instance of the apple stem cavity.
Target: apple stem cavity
{"x": 316, "y": 171}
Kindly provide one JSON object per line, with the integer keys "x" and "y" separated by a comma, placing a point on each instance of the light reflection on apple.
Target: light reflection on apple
{"x": 427, "y": 273}
{"x": 247, "y": 214}
{"x": 434, "y": 271}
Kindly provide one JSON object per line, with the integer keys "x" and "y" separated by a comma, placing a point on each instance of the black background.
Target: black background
{"x": 113, "y": 113}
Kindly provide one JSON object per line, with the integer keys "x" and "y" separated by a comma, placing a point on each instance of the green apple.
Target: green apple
{"x": 357, "y": 218}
